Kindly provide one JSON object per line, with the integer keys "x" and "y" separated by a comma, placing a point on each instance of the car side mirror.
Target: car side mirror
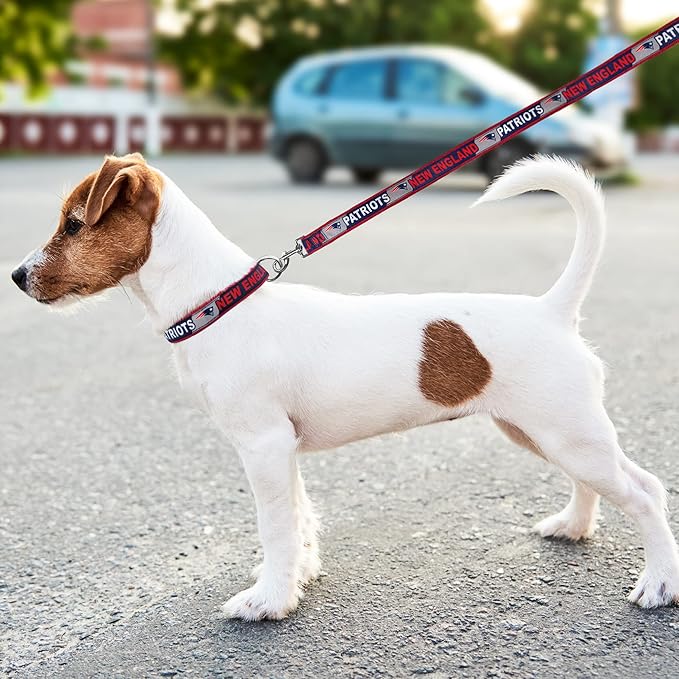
{"x": 473, "y": 95}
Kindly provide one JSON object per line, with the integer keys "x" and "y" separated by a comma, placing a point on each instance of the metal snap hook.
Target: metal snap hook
{"x": 280, "y": 264}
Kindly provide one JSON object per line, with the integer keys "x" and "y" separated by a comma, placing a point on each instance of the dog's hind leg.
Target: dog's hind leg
{"x": 591, "y": 455}
{"x": 270, "y": 464}
{"x": 578, "y": 519}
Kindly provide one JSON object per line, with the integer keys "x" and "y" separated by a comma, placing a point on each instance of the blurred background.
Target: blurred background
{"x": 121, "y": 534}
{"x": 225, "y": 76}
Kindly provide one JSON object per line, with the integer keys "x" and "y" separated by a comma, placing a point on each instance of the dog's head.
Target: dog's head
{"x": 104, "y": 233}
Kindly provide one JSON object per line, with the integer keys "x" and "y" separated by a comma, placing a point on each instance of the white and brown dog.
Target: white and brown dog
{"x": 398, "y": 361}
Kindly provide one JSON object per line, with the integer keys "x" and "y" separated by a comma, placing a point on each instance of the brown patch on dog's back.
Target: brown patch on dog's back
{"x": 452, "y": 369}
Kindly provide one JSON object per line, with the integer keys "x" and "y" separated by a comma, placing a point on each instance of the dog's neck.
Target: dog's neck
{"x": 189, "y": 261}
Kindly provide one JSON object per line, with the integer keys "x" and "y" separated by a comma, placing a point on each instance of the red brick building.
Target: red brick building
{"x": 123, "y": 27}
{"x": 100, "y": 103}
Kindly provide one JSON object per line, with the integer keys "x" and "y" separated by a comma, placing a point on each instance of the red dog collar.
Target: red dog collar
{"x": 208, "y": 312}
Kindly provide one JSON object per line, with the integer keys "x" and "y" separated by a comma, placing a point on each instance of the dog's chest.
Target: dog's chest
{"x": 191, "y": 381}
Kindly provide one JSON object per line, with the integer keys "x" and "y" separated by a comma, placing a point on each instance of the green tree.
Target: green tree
{"x": 239, "y": 49}
{"x": 550, "y": 46}
{"x": 658, "y": 87}
{"x": 34, "y": 39}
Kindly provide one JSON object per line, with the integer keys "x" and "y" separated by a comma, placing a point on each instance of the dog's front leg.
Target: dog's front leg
{"x": 271, "y": 468}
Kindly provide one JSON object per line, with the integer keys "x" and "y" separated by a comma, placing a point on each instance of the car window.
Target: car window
{"x": 359, "y": 80}
{"x": 455, "y": 88}
{"x": 423, "y": 81}
{"x": 310, "y": 80}
{"x": 420, "y": 81}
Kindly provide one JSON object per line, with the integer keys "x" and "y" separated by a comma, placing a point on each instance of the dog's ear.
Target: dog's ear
{"x": 128, "y": 176}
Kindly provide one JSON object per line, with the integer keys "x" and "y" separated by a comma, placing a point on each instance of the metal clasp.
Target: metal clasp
{"x": 280, "y": 264}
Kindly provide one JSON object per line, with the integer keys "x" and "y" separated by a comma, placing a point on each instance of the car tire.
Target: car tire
{"x": 497, "y": 161}
{"x": 306, "y": 161}
{"x": 365, "y": 175}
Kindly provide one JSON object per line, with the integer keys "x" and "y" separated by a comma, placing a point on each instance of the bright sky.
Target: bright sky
{"x": 635, "y": 13}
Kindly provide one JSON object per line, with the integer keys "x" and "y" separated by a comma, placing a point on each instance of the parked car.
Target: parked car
{"x": 399, "y": 107}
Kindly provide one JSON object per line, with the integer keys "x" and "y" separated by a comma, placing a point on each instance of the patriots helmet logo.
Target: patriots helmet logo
{"x": 208, "y": 311}
{"x": 399, "y": 190}
{"x": 331, "y": 230}
{"x": 645, "y": 46}
{"x": 489, "y": 137}
{"x": 556, "y": 97}
{"x": 401, "y": 187}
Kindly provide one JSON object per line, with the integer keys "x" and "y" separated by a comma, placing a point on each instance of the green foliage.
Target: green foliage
{"x": 550, "y": 47}
{"x": 658, "y": 87}
{"x": 214, "y": 54}
{"x": 34, "y": 38}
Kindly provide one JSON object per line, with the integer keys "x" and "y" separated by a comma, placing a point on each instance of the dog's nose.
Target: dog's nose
{"x": 19, "y": 276}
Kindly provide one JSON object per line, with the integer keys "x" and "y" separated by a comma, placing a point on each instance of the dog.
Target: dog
{"x": 385, "y": 362}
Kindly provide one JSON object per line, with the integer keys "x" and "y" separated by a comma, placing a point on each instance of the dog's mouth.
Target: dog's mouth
{"x": 70, "y": 294}
{"x": 67, "y": 302}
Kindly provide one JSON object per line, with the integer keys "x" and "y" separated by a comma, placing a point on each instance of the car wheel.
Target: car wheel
{"x": 365, "y": 175}
{"x": 305, "y": 161}
{"x": 497, "y": 161}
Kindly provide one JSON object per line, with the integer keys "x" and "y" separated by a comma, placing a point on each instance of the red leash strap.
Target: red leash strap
{"x": 475, "y": 147}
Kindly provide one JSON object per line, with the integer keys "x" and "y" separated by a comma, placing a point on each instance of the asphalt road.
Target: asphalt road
{"x": 125, "y": 520}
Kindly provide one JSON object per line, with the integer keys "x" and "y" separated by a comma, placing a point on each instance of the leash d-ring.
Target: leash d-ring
{"x": 280, "y": 264}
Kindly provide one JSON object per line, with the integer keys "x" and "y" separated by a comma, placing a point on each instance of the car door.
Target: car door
{"x": 434, "y": 108}
{"x": 352, "y": 112}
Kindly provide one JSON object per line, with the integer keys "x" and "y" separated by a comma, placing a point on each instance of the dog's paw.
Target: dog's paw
{"x": 655, "y": 589}
{"x": 311, "y": 566}
{"x": 260, "y": 602}
{"x": 257, "y": 571}
{"x": 565, "y": 527}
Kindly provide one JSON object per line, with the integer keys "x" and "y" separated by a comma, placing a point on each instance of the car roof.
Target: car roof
{"x": 443, "y": 52}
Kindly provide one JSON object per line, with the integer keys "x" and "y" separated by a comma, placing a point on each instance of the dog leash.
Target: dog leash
{"x": 450, "y": 161}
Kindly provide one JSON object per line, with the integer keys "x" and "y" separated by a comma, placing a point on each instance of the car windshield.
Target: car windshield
{"x": 499, "y": 80}
{"x": 309, "y": 80}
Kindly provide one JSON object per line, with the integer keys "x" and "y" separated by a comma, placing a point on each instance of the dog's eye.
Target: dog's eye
{"x": 72, "y": 226}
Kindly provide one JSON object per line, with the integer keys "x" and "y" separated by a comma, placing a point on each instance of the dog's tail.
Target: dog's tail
{"x": 582, "y": 192}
